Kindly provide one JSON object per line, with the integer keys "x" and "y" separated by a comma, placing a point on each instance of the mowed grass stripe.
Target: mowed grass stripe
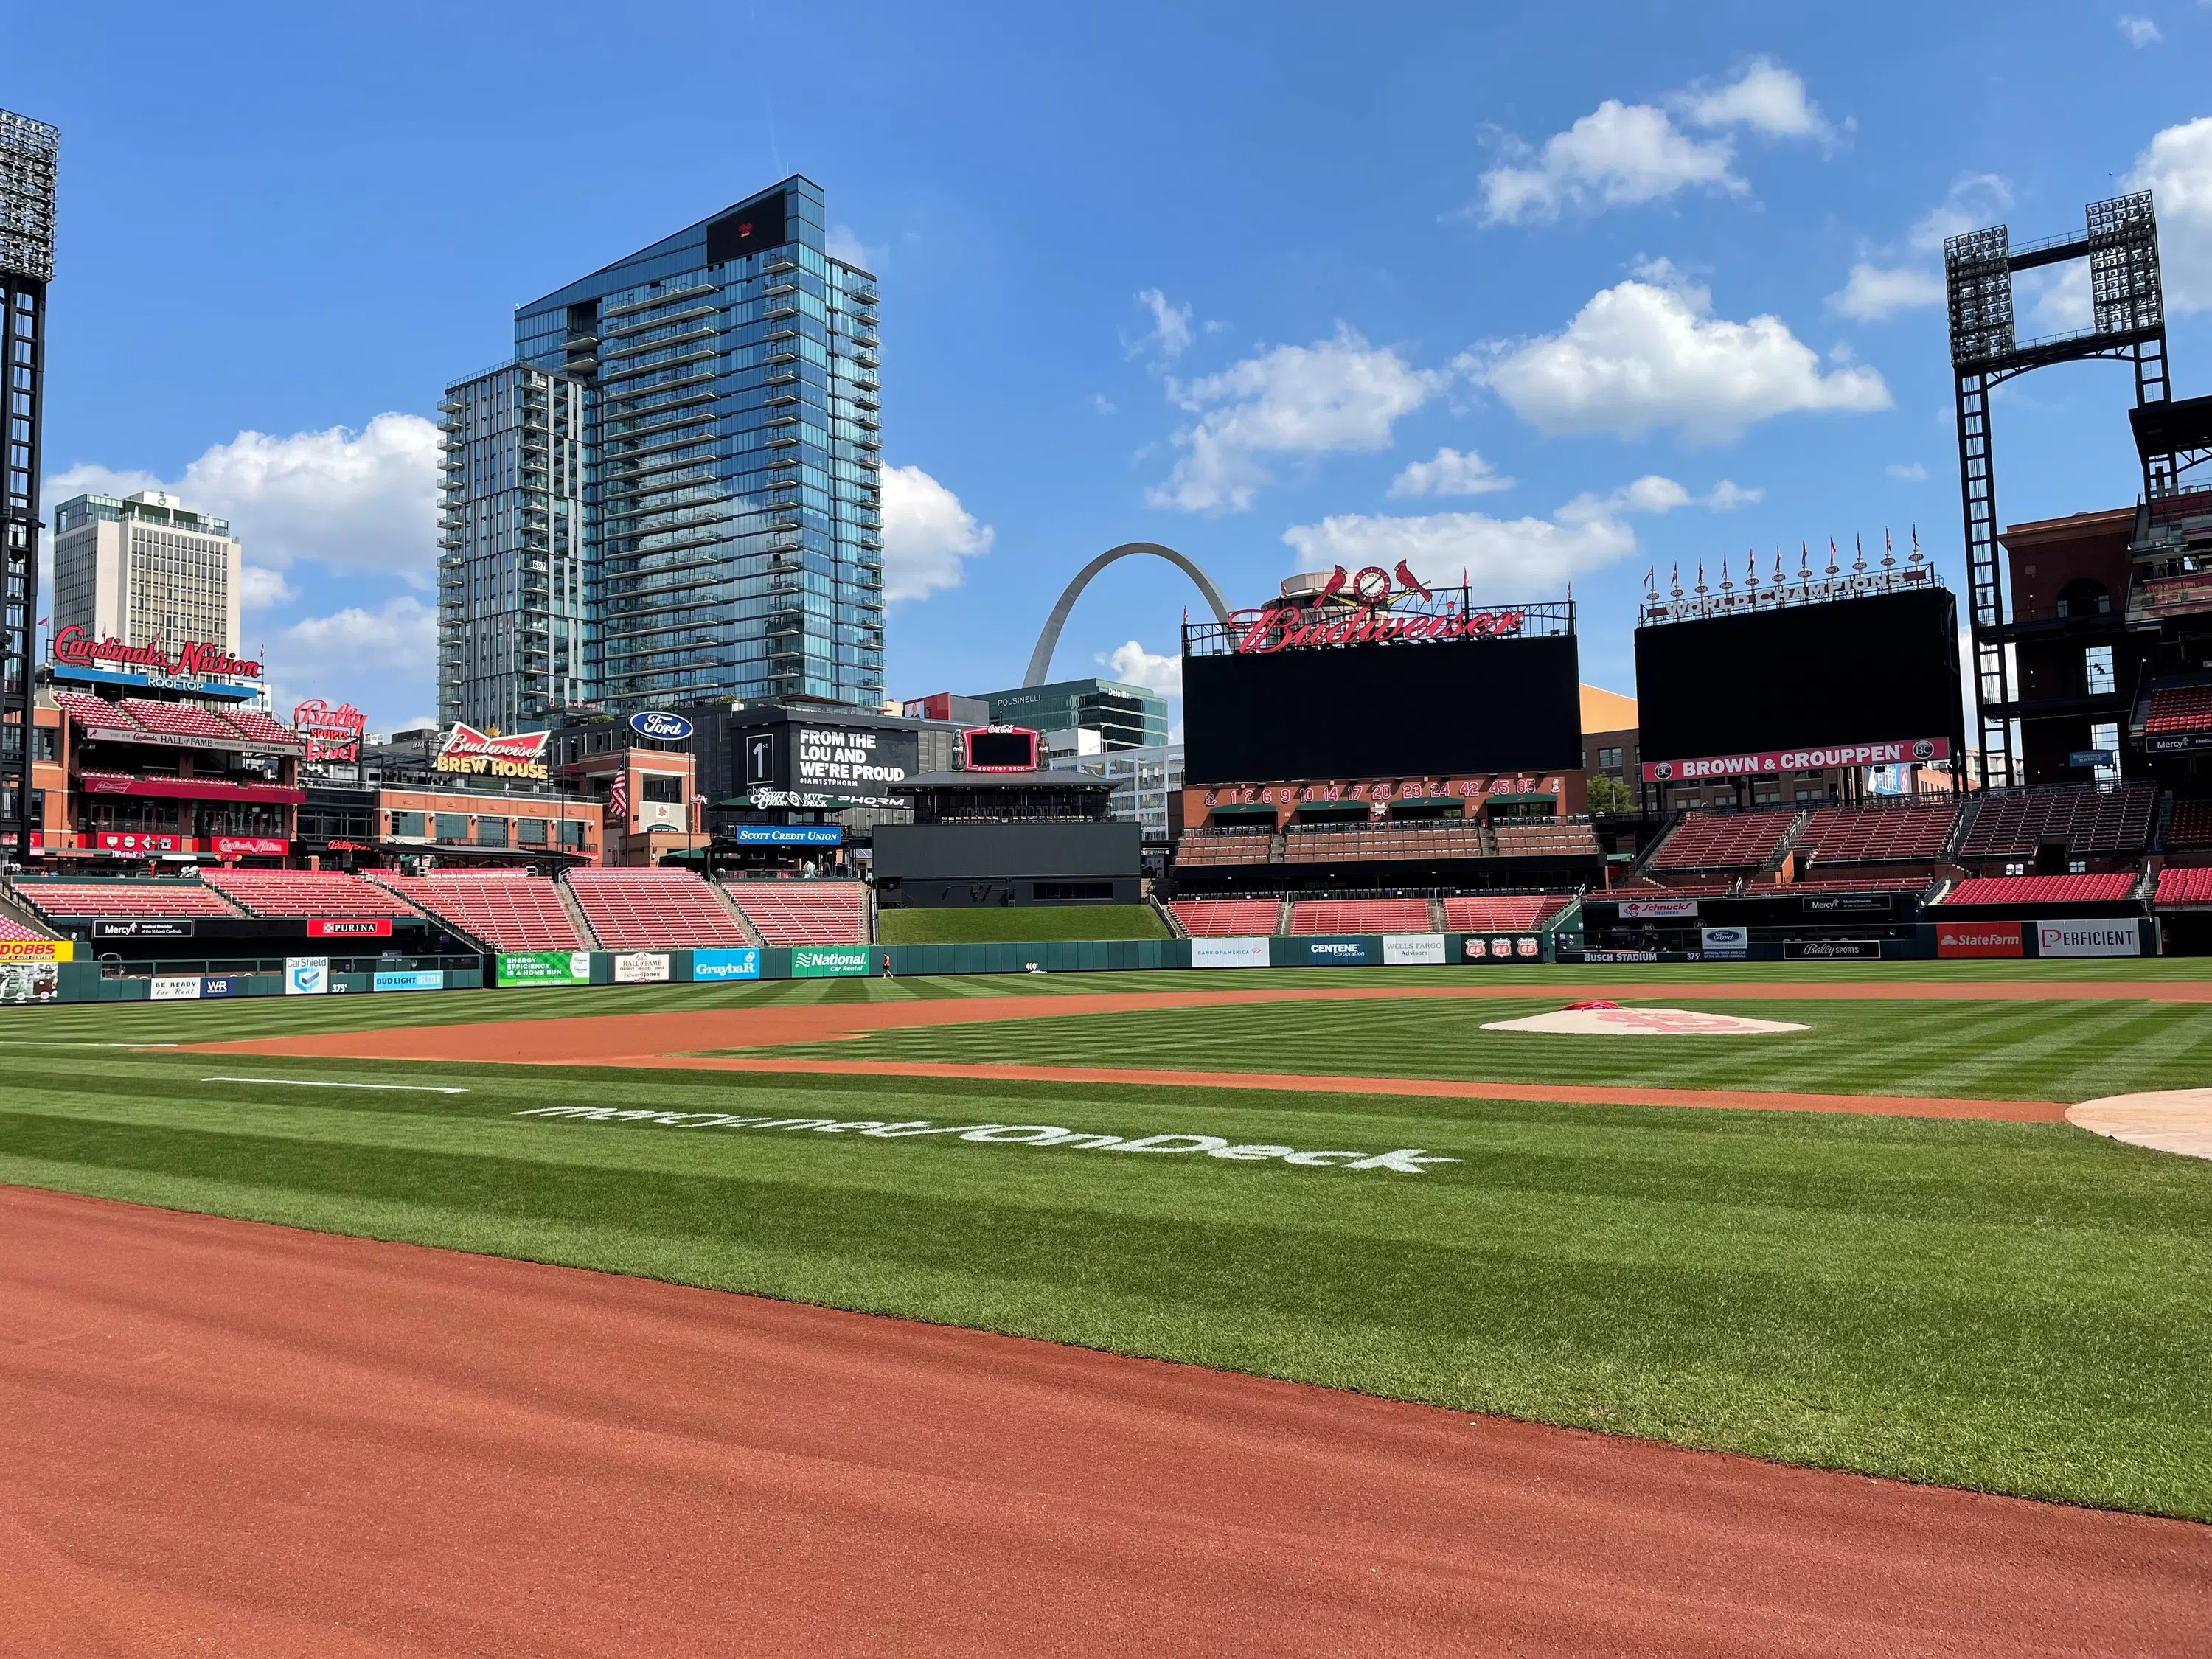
{"x": 2019, "y": 1308}
{"x": 1995, "y": 1050}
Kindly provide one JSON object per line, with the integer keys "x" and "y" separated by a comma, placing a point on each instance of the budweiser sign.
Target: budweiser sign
{"x": 519, "y": 754}
{"x": 1297, "y": 627}
{"x": 331, "y": 734}
{"x": 78, "y": 649}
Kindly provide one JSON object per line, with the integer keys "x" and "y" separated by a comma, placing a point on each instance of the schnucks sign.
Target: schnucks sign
{"x": 1896, "y": 751}
{"x": 518, "y": 755}
{"x": 76, "y": 648}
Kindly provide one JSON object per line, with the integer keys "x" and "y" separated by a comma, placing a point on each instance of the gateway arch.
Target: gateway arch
{"x": 1041, "y": 659}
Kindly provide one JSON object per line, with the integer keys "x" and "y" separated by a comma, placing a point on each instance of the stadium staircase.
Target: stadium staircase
{"x": 1788, "y": 844}
{"x": 1176, "y": 929}
{"x": 1437, "y": 915}
{"x": 2161, "y": 824}
{"x": 576, "y": 917}
{"x": 1282, "y": 913}
{"x": 745, "y": 922}
{"x": 1952, "y": 847}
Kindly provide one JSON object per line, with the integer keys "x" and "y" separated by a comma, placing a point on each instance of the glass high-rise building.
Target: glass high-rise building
{"x": 511, "y": 539}
{"x": 733, "y": 501}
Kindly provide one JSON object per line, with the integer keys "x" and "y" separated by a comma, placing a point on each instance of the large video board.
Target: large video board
{"x": 1457, "y": 706}
{"x": 1869, "y": 681}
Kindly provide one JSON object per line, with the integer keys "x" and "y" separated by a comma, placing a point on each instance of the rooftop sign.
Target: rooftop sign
{"x": 74, "y": 647}
{"x": 518, "y": 755}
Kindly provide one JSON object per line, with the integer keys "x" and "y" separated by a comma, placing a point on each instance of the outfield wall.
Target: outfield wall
{"x": 213, "y": 979}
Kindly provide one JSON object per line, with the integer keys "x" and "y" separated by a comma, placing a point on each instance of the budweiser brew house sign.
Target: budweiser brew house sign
{"x": 76, "y": 648}
{"x": 519, "y": 754}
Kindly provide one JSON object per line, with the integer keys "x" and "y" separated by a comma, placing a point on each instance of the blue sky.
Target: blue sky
{"x": 1543, "y": 293}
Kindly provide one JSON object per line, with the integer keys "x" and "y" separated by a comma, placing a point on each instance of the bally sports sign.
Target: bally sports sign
{"x": 518, "y": 755}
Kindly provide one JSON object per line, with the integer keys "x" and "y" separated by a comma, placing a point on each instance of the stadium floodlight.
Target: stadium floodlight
{"x": 2119, "y": 239}
{"x": 29, "y": 154}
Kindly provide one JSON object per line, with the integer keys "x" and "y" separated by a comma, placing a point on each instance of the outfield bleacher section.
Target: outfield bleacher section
{"x": 78, "y": 900}
{"x": 305, "y": 894}
{"x": 2043, "y": 889}
{"x": 506, "y": 910}
{"x": 1507, "y": 913}
{"x": 1527, "y": 838}
{"x": 12, "y": 929}
{"x": 1877, "y": 835}
{"x": 1445, "y": 839}
{"x": 803, "y": 912}
{"x": 2192, "y": 823}
{"x": 2179, "y": 889}
{"x": 1721, "y": 841}
{"x": 2088, "y": 820}
{"x": 1360, "y": 916}
{"x": 654, "y": 910}
{"x": 1197, "y": 848}
{"x": 1225, "y": 918}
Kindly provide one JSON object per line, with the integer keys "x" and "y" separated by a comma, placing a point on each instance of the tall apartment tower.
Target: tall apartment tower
{"x": 143, "y": 568}
{"x": 732, "y": 488}
{"x": 511, "y": 560}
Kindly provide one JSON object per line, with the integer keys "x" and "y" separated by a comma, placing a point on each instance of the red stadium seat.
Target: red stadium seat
{"x": 1226, "y": 918}
{"x": 803, "y": 912}
{"x": 79, "y": 899}
{"x": 1360, "y": 916}
{"x": 179, "y": 720}
{"x": 2086, "y": 820}
{"x": 1505, "y": 912}
{"x": 652, "y": 910}
{"x": 97, "y": 716}
{"x": 506, "y": 909}
{"x": 306, "y": 893}
{"x": 2180, "y": 709}
{"x": 1873, "y": 835}
{"x": 2180, "y": 888}
{"x": 1721, "y": 841}
{"x": 2044, "y": 889}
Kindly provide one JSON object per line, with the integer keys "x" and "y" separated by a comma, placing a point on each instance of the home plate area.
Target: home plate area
{"x": 1611, "y": 1019}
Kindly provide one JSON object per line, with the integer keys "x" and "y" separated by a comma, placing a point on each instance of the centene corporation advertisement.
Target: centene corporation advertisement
{"x": 1895, "y": 752}
{"x": 1228, "y": 953}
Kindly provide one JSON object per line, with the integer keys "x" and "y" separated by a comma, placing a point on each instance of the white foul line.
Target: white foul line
{"x": 314, "y": 1083}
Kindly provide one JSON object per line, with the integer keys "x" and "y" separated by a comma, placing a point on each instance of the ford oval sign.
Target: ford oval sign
{"x": 660, "y": 724}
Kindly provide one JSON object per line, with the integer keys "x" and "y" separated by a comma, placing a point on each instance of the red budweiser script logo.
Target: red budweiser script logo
{"x": 1280, "y": 627}
{"x": 77, "y": 648}
{"x": 519, "y": 754}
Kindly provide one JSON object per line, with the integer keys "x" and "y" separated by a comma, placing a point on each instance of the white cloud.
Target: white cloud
{"x": 1765, "y": 97}
{"x": 1910, "y": 471}
{"x": 376, "y": 660}
{"x": 1874, "y": 294}
{"x": 1336, "y": 394}
{"x": 1975, "y": 199}
{"x": 1618, "y": 155}
{"x": 1648, "y": 353}
{"x": 1451, "y": 473}
{"x": 1131, "y": 664}
{"x": 1588, "y": 533}
{"x": 360, "y": 501}
{"x": 2055, "y": 301}
{"x": 1170, "y": 336}
{"x": 1622, "y": 155}
{"x": 1099, "y": 402}
{"x": 1726, "y": 497}
{"x": 263, "y": 590}
{"x": 844, "y": 243}
{"x": 2177, "y": 169}
{"x": 926, "y": 534}
{"x": 2139, "y": 31}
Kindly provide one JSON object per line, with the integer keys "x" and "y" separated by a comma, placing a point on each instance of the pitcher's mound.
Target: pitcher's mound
{"x": 2169, "y": 1120}
{"x": 1640, "y": 1022}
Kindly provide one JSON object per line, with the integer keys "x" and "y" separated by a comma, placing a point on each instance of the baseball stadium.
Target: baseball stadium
{"x": 1512, "y": 1168}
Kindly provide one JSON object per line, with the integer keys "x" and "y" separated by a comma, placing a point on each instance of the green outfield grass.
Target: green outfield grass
{"x": 2020, "y": 1309}
{"x": 2038, "y": 1050}
{"x": 1020, "y": 924}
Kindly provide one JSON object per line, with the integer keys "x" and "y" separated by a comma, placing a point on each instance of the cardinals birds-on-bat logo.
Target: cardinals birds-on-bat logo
{"x": 1371, "y": 587}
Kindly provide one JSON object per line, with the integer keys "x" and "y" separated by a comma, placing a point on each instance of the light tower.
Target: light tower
{"x": 28, "y": 153}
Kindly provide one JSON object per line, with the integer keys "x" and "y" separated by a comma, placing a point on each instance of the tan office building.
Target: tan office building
{"x": 142, "y": 568}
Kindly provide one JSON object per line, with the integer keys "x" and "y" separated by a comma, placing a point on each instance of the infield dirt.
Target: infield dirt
{"x": 224, "y": 1437}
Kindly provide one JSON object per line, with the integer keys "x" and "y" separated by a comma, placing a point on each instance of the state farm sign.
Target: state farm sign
{"x": 519, "y": 754}
{"x": 76, "y": 648}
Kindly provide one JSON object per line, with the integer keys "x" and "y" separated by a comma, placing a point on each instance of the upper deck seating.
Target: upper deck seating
{"x": 1721, "y": 841}
{"x": 1871, "y": 834}
{"x": 2043, "y": 889}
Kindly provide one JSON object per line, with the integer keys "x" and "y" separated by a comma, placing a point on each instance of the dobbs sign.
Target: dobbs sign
{"x": 518, "y": 755}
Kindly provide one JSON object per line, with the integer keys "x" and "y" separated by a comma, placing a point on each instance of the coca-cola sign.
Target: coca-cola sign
{"x": 332, "y": 734}
{"x": 76, "y": 648}
{"x": 516, "y": 755}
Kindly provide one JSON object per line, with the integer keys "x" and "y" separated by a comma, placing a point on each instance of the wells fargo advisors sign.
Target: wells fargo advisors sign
{"x": 76, "y": 648}
{"x": 518, "y": 755}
